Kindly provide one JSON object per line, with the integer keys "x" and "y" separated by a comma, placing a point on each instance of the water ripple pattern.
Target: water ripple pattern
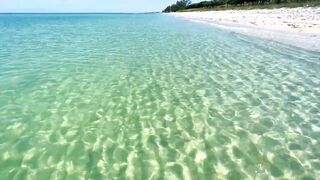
{"x": 147, "y": 96}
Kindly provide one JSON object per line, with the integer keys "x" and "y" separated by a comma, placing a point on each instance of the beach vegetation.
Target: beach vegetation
{"x": 186, "y": 5}
{"x": 179, "y": 5}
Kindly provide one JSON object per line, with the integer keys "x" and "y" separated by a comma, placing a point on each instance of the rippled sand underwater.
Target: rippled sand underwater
{"x": 149, "y": 96}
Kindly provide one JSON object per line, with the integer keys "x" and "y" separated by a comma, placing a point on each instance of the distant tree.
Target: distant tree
{"x": 186, "y": 4}
{"x": 179, "y": 5}
{"x": 174, "y": 8}
{"x": 167, "y": 9}
{"x": 235, "y": 2}
{"x": 183, "y": 3}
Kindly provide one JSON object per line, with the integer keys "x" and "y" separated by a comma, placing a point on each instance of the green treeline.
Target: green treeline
{"x": 184, "y": 5}
{"x": 179, "y": 5}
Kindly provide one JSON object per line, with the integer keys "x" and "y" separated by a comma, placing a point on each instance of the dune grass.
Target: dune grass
{"x": 315, "y": 3}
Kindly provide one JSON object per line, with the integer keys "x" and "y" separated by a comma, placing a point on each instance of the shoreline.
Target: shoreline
{"x": 298, "y": 27}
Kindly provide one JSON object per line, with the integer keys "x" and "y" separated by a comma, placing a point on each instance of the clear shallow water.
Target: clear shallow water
{"x": 152, "y": 96}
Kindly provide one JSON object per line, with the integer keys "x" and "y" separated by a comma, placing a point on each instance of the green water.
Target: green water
{"x": 149, "y": 96}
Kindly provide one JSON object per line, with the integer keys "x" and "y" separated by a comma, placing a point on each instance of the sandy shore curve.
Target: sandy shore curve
{"x": 299, "y": 27}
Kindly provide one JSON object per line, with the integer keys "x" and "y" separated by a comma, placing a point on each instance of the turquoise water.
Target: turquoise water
{"x": 149, "y": 96}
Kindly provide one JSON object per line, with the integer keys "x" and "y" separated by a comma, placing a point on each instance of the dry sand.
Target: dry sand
{"x": 296, "y": 26}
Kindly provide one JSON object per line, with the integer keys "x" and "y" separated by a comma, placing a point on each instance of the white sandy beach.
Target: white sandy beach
{"x": 297, "y": 26}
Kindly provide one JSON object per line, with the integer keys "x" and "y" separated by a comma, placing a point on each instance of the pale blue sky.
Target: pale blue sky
{"x": 84, "y": 5}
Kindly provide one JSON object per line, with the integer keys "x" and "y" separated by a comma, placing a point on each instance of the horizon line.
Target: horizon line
{"x": 80, "y": 12}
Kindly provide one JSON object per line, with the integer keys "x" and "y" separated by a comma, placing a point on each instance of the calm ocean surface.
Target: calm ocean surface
{"x": 149, "y": 96}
